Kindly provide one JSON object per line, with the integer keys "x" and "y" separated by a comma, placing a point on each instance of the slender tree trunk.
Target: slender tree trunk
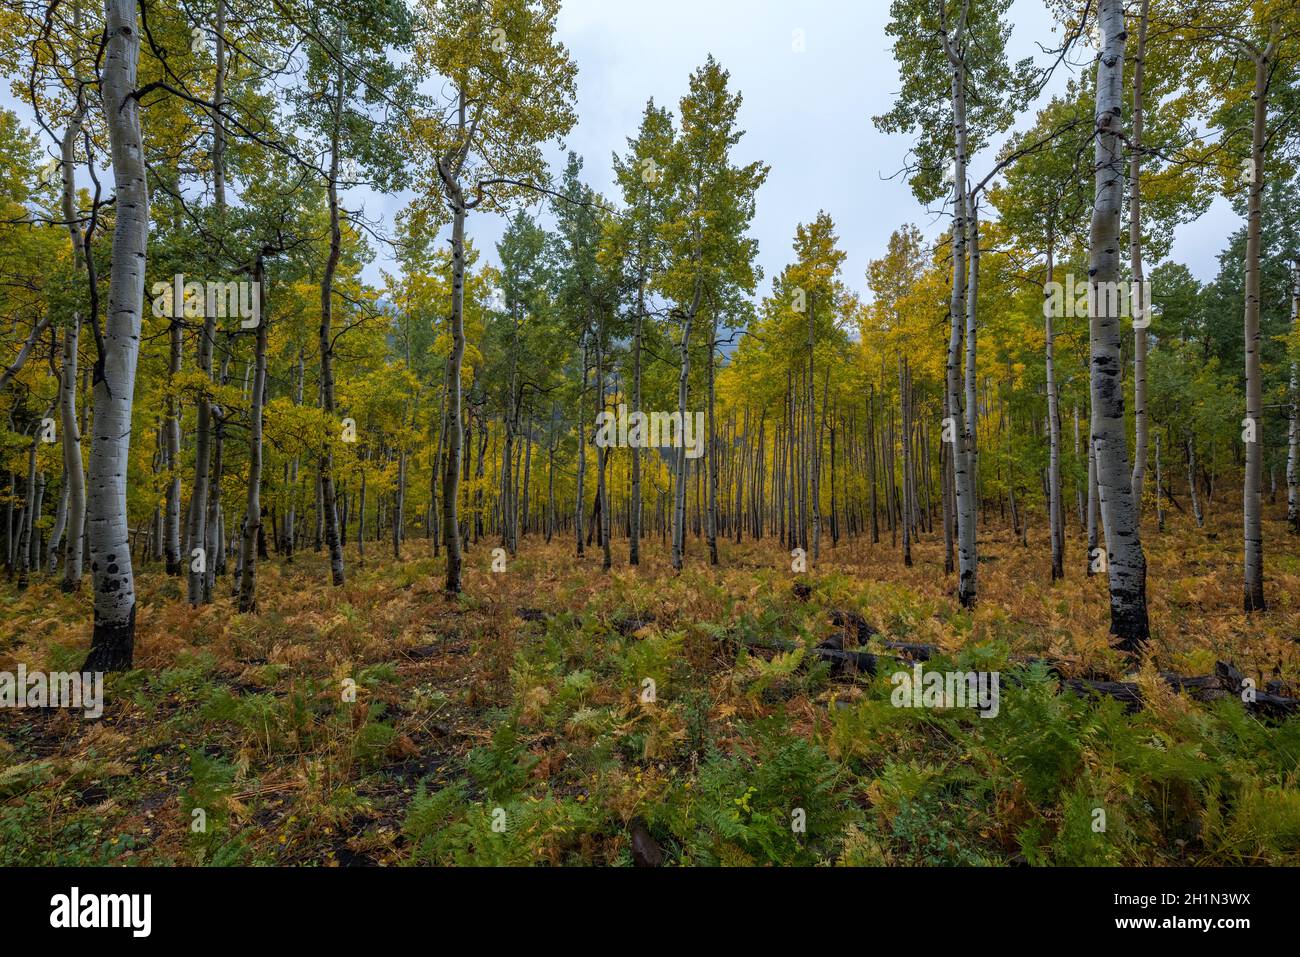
{"x": 814, "y": 437}
{"x": 56, "y": 532}
{"x": 579, "y": 492}
{"x": 802, "y": 435}
{"x": 528, "y": 465}
{"x": 215, "y": 521}
{"x": 683, "y": 379}
{"x": 1126, "y": 561}
{"x": 291, "y": 517}
{"x": 871, "y": 463}
{"x": 318, "y": 542}
{"x": 602, "y": 459}
{"x": 835, "y": 524}
{"x": 956, "y": 430}
{"x": 434, "y": 474}
{"x": 1160, "y": 508}
{"x": 634, "y": 518}
{"x": 950, "y": 504}
{"x": 971, "y": 376}
{"x": 1253, "y": 427}
{"x": 172, "y": 525}
{"x": 1293, "y": 428}
{"x": 399, "y": 504}
{"x": 711, "y": 515}
{"x": 1078, "y": 489}
{"x": 253, "y": 514}
{"x": 361, "y": 514}
{"x": 1056, "y": 521}
{"x": 1135, "y": 265}
{"x": 10, "y": 537}
{"x": 550, "y": 482}
{"x": 1190, "y": 451}
{"x": 451, "y": 475}
{"x": 791, "y": 482}
{"x": 74, "y": 479}
{"x": 904, "y": 412}
{"x": 34, "y": 547}
{"x": 198, "y": 534}
{"x": 333, "y": 537}
{"x": 113, "y": 643}
{"x": 740, "y": 478}
{"x": 74, "y": 476}
{"x": 23, "y": 555}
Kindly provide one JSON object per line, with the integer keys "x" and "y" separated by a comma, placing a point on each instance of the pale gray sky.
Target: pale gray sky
{"x": 807, "y": 114}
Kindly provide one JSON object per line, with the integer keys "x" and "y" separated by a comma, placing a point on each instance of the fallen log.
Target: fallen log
{"x": 914, "y": 651}
{"x": 1227, "y": 680}
{"x": 629, "y": 626}
{"x": 848, "y": 662}
{"x": 852, "y": 622}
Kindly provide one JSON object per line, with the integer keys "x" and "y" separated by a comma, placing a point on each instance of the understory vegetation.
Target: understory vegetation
{"x": 522, "y": 704}
{"x": 449, "y": 445}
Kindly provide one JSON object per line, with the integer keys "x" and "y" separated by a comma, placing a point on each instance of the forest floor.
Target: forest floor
{"x": 509, "y": 726}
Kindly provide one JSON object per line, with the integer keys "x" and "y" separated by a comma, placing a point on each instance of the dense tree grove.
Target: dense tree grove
{"x": 197, "y": 377}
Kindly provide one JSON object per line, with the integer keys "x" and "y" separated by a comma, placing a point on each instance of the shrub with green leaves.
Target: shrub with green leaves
{"x": 781, "y": 806}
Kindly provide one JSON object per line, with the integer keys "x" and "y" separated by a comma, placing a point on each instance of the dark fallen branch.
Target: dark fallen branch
{"x": 849, "y": 662}
{"x": 852, "y": 623}
{"x": 1124, "y": 691}
{"x": 1227, "y": 680}
{"x": 629, "y": 626}
{"x": 914, "y": 651}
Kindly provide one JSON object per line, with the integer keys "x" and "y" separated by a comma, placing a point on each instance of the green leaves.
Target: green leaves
{"x": 923, "y": 108}
{"x": 510, "y": 87}
{"x": 710, "y": 201}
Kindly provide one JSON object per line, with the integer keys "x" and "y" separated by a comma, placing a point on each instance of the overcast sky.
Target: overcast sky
{"x": 806, "y": 114}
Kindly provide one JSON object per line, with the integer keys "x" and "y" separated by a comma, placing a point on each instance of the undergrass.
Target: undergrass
{"x": 381, "y": 723}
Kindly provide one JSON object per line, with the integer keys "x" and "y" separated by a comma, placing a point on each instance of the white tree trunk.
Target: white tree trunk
{"x": 711, "y": 476}
{"x": 1078, "y": 489}
{"x": 113, "y": 644}
{"x": 1293, "y": 430}
{"x": 580, "y": 489}
{"x": 957, "y": 430}
{"x": 451, "y": 473}
{"x": 172, "y": 523}
{"x": 1056, "y": 518}
{"x": 1126, "y": 562}
{"x": 679, "y": 466}
{"x": 253, "y": 514}
{"x": 1253, "y": 533}
{"x": 291, "y": 517}
{"x": 202, "y": 494}
{"x": 28, "y": 523}
{"x": 1190, "y": 452}
{"x": 333, "y": 535}
{"x": 814, "y": 436}
{"x": 1141, "y": 439}
{"x": 634, "y": 518}
{"x": 74, "y": 476}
